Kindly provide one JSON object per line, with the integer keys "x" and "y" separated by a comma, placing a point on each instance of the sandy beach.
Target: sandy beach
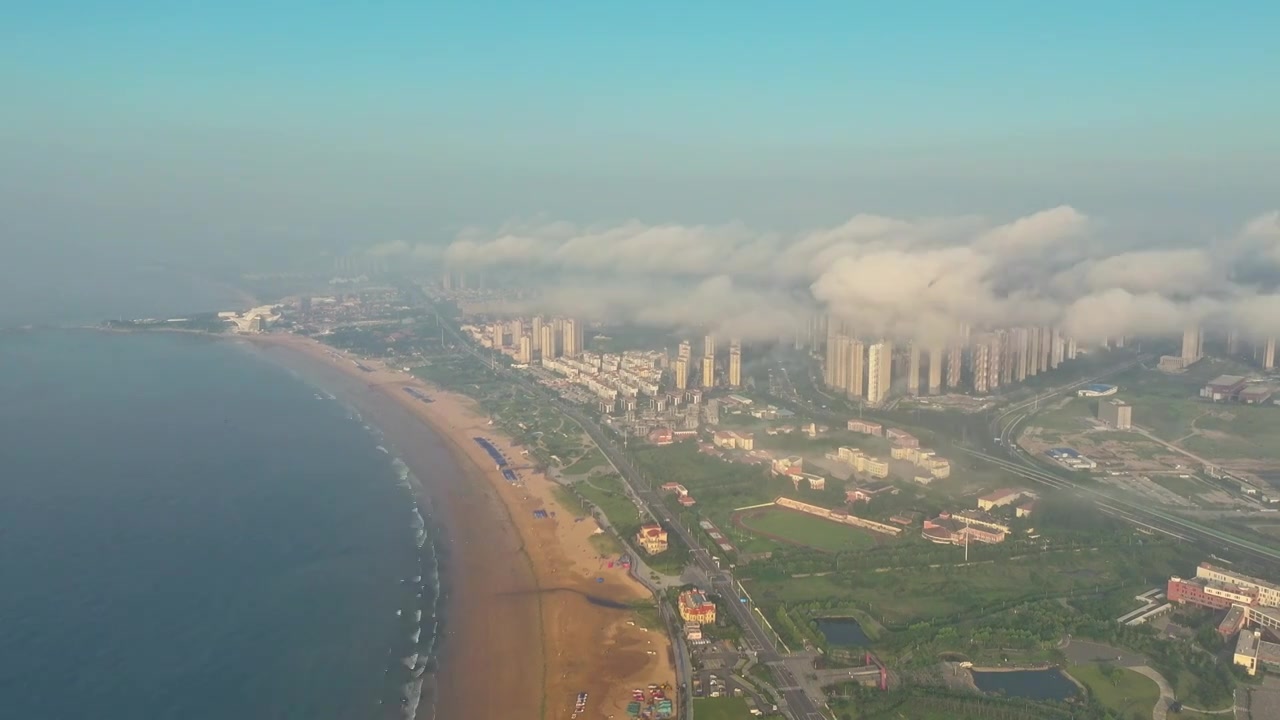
{"x": 529, "y": 624}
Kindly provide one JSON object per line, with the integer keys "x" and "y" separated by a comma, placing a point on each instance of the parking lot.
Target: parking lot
{"x": 718, "y": 673}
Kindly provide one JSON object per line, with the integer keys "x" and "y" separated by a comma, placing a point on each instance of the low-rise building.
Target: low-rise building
{"x": 1252, "y": 651}
{"x": 947, "y": 529}
{"x": 696, "y": 607}
{"x": 1223, "y": 388}
{"x": 1000, "y": 498}
{"x": 866, "y": 427}
{"x": 652, "y": 538}
{"x": 1116, "y": 413}
{"x": 864, "y": 493}
{"x": 790, "y": 465}
{"x": 731, "y": 440}
{"x": 901, "y": 438}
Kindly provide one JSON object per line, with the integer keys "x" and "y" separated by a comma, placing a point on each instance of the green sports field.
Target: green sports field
{"x": 800, "y": 529}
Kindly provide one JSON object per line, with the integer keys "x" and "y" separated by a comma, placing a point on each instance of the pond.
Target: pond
{"x": 843, "y": 632}
{"x": 1050, "y": 684}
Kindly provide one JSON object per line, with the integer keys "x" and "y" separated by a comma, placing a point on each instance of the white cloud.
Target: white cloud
{"x": 912, "y": 277}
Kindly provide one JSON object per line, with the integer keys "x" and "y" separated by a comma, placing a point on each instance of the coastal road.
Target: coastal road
{"x": 793, "y": 703}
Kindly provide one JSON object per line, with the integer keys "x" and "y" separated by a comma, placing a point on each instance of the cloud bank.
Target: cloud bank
{"x": 912, "y": 277}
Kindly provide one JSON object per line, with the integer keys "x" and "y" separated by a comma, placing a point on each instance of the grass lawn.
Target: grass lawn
{"x": 720, "y": 709}
{"x": 593, "y": 458}
{"x": 1179, "y": 485}
{"x": 806, "y": 530}
{"x": 1129, "y": 694}
{"x": 1073, "y": 416}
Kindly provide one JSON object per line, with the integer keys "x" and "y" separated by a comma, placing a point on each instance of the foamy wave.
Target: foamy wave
{"x": 419, "y": 528}
{"x": 417, "y": 634}
{"x": 409, "y": 661}
{"x": 411, "y": 694}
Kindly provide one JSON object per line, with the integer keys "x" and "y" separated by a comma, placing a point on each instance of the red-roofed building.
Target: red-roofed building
{"x": 866, "y": 427}
{"x": 662, "y": 436}
{"x": 652, "y": 538}
{"x": 696, "y": 607}
{"x": 687, "y": 500}
{"x": 902, "y": 438}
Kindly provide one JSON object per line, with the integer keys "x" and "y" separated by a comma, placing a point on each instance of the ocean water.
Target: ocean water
{"x": 188, "y": 531}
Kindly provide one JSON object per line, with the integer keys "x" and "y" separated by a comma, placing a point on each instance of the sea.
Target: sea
{"x": 189, "y": 530}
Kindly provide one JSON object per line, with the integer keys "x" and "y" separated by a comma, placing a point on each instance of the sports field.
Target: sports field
{"x": 800, "y": 529}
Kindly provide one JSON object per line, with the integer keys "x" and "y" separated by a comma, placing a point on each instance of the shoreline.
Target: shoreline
{"x": 504, "y": 648}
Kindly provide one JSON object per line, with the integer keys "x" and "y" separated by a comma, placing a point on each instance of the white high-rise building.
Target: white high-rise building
{"x": 913, "y": 370}
{"x": 879, "y": 371}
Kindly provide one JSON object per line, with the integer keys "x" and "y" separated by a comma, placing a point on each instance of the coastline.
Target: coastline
{"x": 534, "y": 615}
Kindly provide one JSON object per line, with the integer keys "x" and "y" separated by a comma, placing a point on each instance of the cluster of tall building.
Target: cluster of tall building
{"x": 683, "y": 364}
{"x": 985, "y": 361}
{"x": 1193, "y": 349}
{"x": 539, "y": 338}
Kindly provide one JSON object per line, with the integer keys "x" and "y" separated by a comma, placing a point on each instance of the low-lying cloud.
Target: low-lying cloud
{"x": 922, "y": 277}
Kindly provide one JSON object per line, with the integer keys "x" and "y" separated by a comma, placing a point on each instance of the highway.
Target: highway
{"x": 1001, "y": 449}
{"x": 794, "y": 703}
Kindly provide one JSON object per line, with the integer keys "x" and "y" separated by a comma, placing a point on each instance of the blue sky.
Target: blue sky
{"x": 262, "y": 124}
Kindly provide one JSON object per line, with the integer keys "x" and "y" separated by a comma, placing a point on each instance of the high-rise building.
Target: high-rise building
{"x": 709, "y": 345}
{"x": 1008, "y": 357}
{"x": 537, "y": 333}
{"x": 681, "y": 369}
{"x": 935, "y": 370}
{"x": 708, "y": 371}
{"x": 1269, "y": 354}
{"x": 516, "y": 329}
{"x": 550, "y": 343}
{"x": 855, "y": 355}
{"x": 1192, "y": 345}
{"x": 979, "y": 364}
{"x": 525, "y": 355}
{"x": 913, "y": 370}
{"x": 1021, "y": 354}
{"x": 1233, "y": 342}
{"x": 996, "y": 349}
{"x": 1046, "y": 348}
{"x": 1033, "y": 351}
{"x": 1071, "y": 348}
{"x": 498, "y": 341}
{"x": 955, "y": 364}
{"x": 1056, "y": 354}
{"x": 735, "y": 363}
{"x": 879, "y": 371}
{"x": 837, "y": 369}
{"x": 685, "y": 351}
{"x": 571, "y": 337}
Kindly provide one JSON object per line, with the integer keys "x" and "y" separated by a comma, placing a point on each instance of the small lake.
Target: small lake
{"x": 843, "y": 632}
{"x": 1048, "y": 684}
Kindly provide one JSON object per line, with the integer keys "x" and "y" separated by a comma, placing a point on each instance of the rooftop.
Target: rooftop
{"x": 1227, "y": 380}
{"x": 1241, "y": 578}
{"x": 1002, "y": 493}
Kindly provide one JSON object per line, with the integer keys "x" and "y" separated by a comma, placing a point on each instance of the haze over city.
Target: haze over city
{"x": 659, "y": 360}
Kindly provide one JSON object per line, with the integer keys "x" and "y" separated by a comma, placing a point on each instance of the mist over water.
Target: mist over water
{"x": 189, "y": 531}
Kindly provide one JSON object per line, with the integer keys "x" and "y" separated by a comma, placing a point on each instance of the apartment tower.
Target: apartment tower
{"x": 735, "y": 363}
{"x": 879, "y": 372}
